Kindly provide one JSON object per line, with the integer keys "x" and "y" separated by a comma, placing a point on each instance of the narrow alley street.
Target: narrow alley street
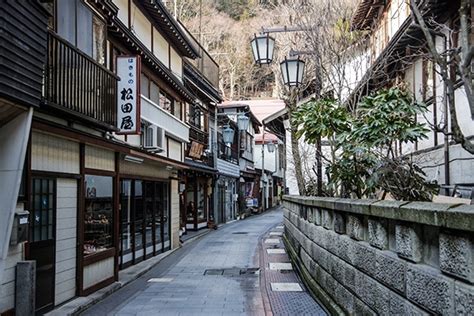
{"x": 219, "y": 274}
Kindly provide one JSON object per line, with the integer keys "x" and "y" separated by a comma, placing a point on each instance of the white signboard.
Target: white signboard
{"x": 128, "y": 95}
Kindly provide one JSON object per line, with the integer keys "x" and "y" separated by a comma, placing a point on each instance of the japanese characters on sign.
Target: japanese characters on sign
{"x": 128, "y": 96}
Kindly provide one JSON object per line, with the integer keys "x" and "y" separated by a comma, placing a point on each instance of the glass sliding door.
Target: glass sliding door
{"x": 145, "y": 231}
{"x": 138, "y": 222}
{"x": 165, "y": 216}
{"x": 150, "y": 211}
{"x": 125, "y": 222}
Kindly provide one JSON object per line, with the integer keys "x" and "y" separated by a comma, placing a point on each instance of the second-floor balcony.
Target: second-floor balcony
{"x": 227, "y": 153}
{"x": 79, "y": 86}
{"x": 198, "y": 135}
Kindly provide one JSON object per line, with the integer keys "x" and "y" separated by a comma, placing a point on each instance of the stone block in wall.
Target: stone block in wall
{"x": 344, "y": 298}
{"x": 456, "y": 255}
{"x": 364, "y": 257}
{"x": 323, "y": 202}
{"x": 327, "y": 219}
{"x": 339, "y": 222}
{"x": 430, "y": 289}
{"x": 378, "y": 232}
{"x": 350, "y": 278}
{"x": 355, "y": 227}
{"x": 401, "y": 306}
{"x": 360, "y": 308}
{"x": 387, "y": 209}
{"x": 310, "y": 211}
{"x": 463, "y": 299}
{"x": 376, "y": 296}
{"x": 408, "y": 241}
{"x": 317, "y": 216}
{"x": 460, "y": 218}
{"x": 424, "y": 213}
{"x": 390, "y": 270}
{"x": 344, "y": 248}
{"x": 336, "y": 268}
{"x": 358, "y": 206}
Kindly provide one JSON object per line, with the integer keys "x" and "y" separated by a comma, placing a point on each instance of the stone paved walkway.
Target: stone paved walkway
{"x": 219, "y": 274}
{"x": 286, "y": 293}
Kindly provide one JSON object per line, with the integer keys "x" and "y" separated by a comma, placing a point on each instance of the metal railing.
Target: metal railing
{"x": 198, "y": 135}
{"x": 76, "y": 82}
{"x": 227, "y": 153}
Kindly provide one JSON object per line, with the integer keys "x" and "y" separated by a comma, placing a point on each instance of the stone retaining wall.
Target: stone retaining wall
{"x": 384, "y": 257}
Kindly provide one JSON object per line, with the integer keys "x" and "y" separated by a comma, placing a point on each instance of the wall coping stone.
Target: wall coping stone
{"x": 453, "y": 216}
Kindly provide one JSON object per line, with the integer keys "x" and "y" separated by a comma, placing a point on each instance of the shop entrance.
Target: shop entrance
{"x": 41, "y": 245}
{"x": 221, "y": 204}
{"x": 144, "y": 214}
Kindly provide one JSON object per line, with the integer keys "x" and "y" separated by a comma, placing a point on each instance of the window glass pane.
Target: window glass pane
{"x": 98, "y": 37}
{"x": 98, "y": 228}
{"x": 144, "y": 82}
{"x": 201, "y": 212}
{"x": 125, "y": 214}
{"x": 154, "y": 93}
{"x": 66, "y": 17}
{"x": 138, "y": 200}
{"x": 178, "y": 110}
{"x": 191, "y": 204}
{"x": 149, "y": 211}
{"x": 165, "y": 102}
{"x": 84, "y": 28}
{"x": 166, "y": 213}
{"x": 158, "y": 215}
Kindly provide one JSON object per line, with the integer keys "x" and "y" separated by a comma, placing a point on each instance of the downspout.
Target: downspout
{"x": 447, "y": 173}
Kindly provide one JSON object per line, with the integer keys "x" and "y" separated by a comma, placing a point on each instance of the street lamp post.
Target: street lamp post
{"x": 292, "y": 70}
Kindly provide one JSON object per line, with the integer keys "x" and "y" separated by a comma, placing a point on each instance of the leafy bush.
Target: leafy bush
{"x": 362, "y": 144}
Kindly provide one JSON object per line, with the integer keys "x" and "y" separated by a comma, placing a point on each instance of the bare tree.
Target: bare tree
{"x": 459, "y": 57}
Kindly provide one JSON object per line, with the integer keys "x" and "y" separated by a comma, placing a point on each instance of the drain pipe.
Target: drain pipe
{"x": 447, "y": 173}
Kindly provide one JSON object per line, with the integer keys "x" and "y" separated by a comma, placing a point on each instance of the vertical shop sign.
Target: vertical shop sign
{"x": 128, "y": 94}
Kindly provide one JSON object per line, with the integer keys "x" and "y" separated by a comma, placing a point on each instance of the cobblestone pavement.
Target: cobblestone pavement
{"x": 215, "y": 275}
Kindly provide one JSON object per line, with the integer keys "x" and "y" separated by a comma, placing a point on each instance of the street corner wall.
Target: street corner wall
{"x": 7, "y": 284}
{"x": 384, "y": 257}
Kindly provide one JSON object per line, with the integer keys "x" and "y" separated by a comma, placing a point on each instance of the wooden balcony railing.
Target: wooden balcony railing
{"x": 198, "y": 135}
{"x": 77, "y": 84}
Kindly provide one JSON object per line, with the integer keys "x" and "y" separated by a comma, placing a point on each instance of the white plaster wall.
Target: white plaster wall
{"x": 51, "y": 153}
{"x": 123, "y": 10}
{"x": 161, "y": 48}
{"x": 141, "y": 26}
{"x": 176, "y": 63}
{"x": 270, "y": 158}
{"x": 463, "y": 112}
{"x": 66, "y": 238}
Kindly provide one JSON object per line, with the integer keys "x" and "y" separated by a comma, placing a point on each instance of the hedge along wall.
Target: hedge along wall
{"x": 384, "y": 257}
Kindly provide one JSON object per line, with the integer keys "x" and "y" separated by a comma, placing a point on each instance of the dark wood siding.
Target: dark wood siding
{"x": 23, "y": 45}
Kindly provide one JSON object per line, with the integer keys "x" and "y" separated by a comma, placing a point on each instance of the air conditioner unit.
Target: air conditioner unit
{"x": 149, "y": 137}
{"x": 154, "y": 138}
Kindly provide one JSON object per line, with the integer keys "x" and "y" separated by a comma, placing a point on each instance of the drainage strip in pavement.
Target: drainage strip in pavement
{"x": 285, "y": 292}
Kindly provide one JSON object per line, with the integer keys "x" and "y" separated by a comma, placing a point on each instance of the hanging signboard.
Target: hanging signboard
{"x": 128, "y": 94}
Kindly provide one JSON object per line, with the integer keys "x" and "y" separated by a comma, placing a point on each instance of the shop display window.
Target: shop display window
{"x": 98, "y": 216}
{"x": 201, "y": 214}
